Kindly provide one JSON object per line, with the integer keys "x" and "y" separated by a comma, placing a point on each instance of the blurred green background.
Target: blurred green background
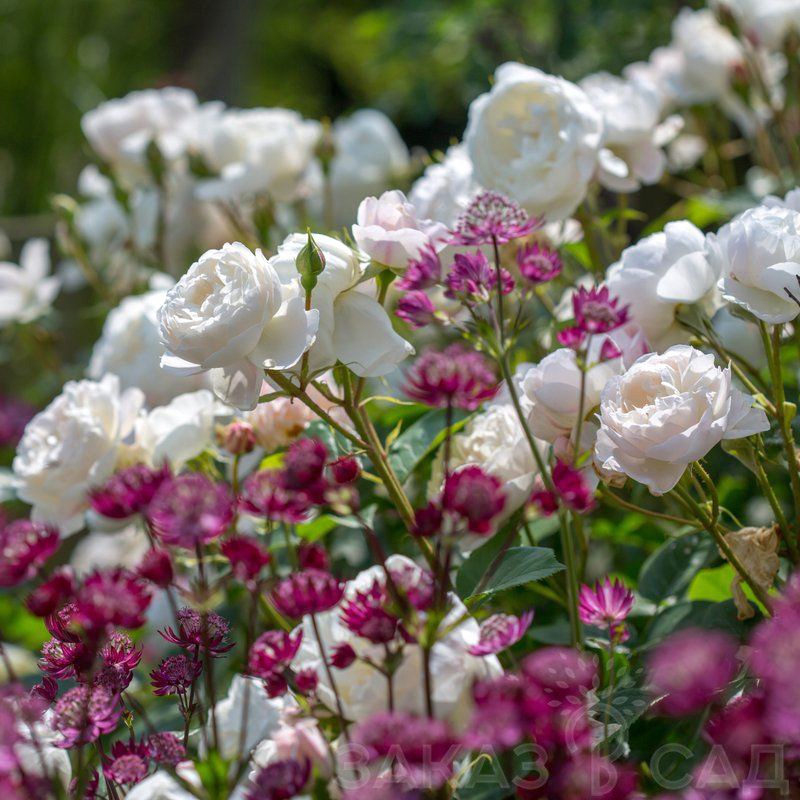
{"x": 420, "y": 61}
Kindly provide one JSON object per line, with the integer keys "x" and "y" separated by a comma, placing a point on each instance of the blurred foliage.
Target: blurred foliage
{"x": 420, "y": 61}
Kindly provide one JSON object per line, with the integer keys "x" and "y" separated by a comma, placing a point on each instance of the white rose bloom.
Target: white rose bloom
{"x": 107, "y": 548}
{"x": 296, "y": 737}
{"x": 26, "y": 291}
{"x": 389, "y": 231}
{"x": 445, "y": 189}
{"x": 660, "y": 273}
{"x": 767, "y": 21}
{"x": 159, "y": 786}
{"x": 228, "y": 315}
{"x": 131, "y": 348}
{"x": 669, "y": 410}
{"x": 258, "y": 150}
{"x": 72, "y": 446}
{"x": 40, "y": 756}
{"x": 633, "y": 137}
{"x": 362, "y": 689}
{"x": 758, "y": 256}
{"x": 534, "y": 137}
{"x": 353, "y": 327}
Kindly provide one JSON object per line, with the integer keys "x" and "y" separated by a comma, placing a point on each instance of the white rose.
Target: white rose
{"x": 72, "y": 446}
{"x": 362, "y": 689}
{"x": 534, "y": 137}
{"x": 767, "y": 21}
{"x": 758, "y": 256}
{"x": 633, "y": 137}
{"x": 353, "y": 327}
{"x": 228, "y": 315}
{"x": 667, "y": 411}
{"x": 105, "y": 549}
{"x": 130, "y": 347}
{"x": 159, "y": 786}
{"x": 26, "y": 291}
{"x": 660, "y": 273}
{"x": 258, "y": 150}
{"x": 389, "y": 232}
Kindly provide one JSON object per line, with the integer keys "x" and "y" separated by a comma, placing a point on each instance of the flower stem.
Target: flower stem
{"x": 331, "y": 680}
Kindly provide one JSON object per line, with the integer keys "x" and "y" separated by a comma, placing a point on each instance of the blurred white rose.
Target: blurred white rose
{"x": 105, "y": 549}
{"x": 228, "y": 315}
{"x": 633, "y": 136}
{"x": 534, "y": 137}
{"x": 72, "y": 446}
{"x": 26, "y": 291}
{"x": 298, "y": 738}
{"x": 389, "y": 232}
{"x": 130, "y": 347}
{"x": 740, "y": 337}
{"x": 38, "y": 752}
{"x": 667, "y": 411}
{"x": 660, "y": 273}
{"x": 768, "y": 22}
{"x": 353, "y": 327}
{"x": 758, "y": 256}
{"x": 159, "y": 786}
{"x": 362, "y": 689}
{"x": 258, "y": 150}
{"x": 445, "y": 189}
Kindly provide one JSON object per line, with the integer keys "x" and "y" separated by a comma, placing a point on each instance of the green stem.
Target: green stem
{"x": 615, "y": 499}
{"x": 576, "y": 630}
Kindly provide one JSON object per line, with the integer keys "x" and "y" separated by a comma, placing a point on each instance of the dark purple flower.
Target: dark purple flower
{"x": 24, "y": 547}
{"x": 128, "y": 763}
{"x": 306, "y": 680}
{"x": 84, "y": 713}
{"x": 452, "y": 377}
{"x": 111, "y": 597}
{"x": 596, "y": 311}
{"x": 311, "y": 591}
{"x": 312, "y": 555}
{"x": 200, "y": 631}
{"x": 473, "y": 279}
{"x": 424, "y": 749}
{"x": 279, "y": 780}
{"x": 14, "y": 416}
{"x": 237, "y": 438}
{"x": 246, "y": 555}
{"x": 422, "y": 272}
{"x": 428, "y": 520}
{"x": 538, "y": 263}
{"x": 156, "y": 567}
{"x": 175, "y": 675}
{"x": 365, "y": 614}
{"x": 55, "y": 592}
{"x": 120, "y": 651}
{"x": 128, "y": 492}
{"x": 473, "y": 496}
{"x": 265, "y": 495}
{"x": 190, "y": 510}
{"x": 342, "y": 656}
{"x": 165, "y": 749}
{"x": 345, "y": 469}
{"x": 606, "y": 606}
{"x": 492, "y": 217}
{"x": 416, "y": 308}
{"x": 499, "y": 632}
{"x": 273, "y": 652}
{"x": 689, "y": 669}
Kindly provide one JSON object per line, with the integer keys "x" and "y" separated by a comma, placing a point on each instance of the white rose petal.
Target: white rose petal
{"x": 26, "y": 291}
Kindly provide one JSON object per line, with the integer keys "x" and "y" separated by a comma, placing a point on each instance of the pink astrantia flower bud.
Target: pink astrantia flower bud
{"x": 112, "y": 597}
{"x": 416, "y": 309}
{"x": 474, "y": 496}
{"x": 128, "y": 492}
{"x": 572, "y": 488}
{"x": 472, "y": 279}
{"x": 311, "y": 591}
{"x": 312, "y": 555}
{"x": 538, "y": 263}
{"x": 342, "y": 656}
{"x": 596, "y": 311}
{"x": 200, "y": 631}
{"x": 345, "y": 469}
{"x": 306, "y": 680}
{"x": 499, "y": 632}
{"x": 573, "y": 338}
{"x": 606, "y": 606}
{"x": 49, "y": 596}
{"x": 156, "y": 567}
{"x": 24, "y": 547}
{"x": 492, "y": 217}
{"x": 237, "y": 438}
{"x": 246, "y": 555}
{"x": 452, "y": 377}
{"x": 304, "y": 463}
{"x": 190, "y": 510}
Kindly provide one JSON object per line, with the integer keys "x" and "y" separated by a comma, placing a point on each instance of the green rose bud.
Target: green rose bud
{"x": 310, "y": 263}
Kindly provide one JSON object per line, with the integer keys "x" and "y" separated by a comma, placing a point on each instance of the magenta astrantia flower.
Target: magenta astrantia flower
{"x": 24, "y": 547}
{"x": 365, "y": 614}
{"x": 165, "y": 749}
{"x": 264, "y": 494}
{"x": 342, "y": 656}
{"x": 573, "y": 337}
{"x": 475, "y": 497}
{"x": 175, "y": 675}
{"x": 14, "y": 416}
{"x": 689, "y": 669}
{"x": 592, "y": 775}
{"x": 492, "y": 217}
{"x": 82, "y": 714}
{"x": 55, "y": 592}
{"x": 499, "y": 632}
{"x": 416, "y": 583}
{"x": 538, "y": 263}
{"x": 200, "y": 631}
{"x": 128, "y": 492}
{"x": 190, "y": 510}
{"x": 306, "y": 680}
{"x": 423, "y": 749}
{"x": 428, "y": 520}
{"x": 311, "y": 591}
{"x": 572, "y": 488}
{"x": 416, "y": 308}
{"x": 273, "y": 652}
{"x": 422, "y": 272}
{"x": 345, "y": 469}
{"x": 452, "y": 377}
{"x": 64, "y": 660}
{"x": 246, "y": 555}
{"x": 112, "y": 597}
{"x": 313, "y": 555}
{"x": 473, "y": 279}
{"x": 606, "y": 606}
{"x": 740, "y": 725}
{"x": 127, "y": 764}
{"x": 46, "y": 691}
{"x": 303, "y": 465}
{"x": 156, "y": 567}
{"x": 280, "y": 780}
{"x": 609, "y": 350}
{"x": 596, "y": 311}
{"x": 120, "y": 651}
{"x": 62, "y": 623}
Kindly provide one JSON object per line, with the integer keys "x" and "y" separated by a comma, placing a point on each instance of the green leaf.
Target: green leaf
{"x": 669, "y": 571}
{"x": 521, "y": 565}
{"x": 695, "y": 614}
{"x": 336, "y": 444}
{"x": 317, "y": 528}
{"x": 213, "y": 772}
{"x": 473, "y": 569}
